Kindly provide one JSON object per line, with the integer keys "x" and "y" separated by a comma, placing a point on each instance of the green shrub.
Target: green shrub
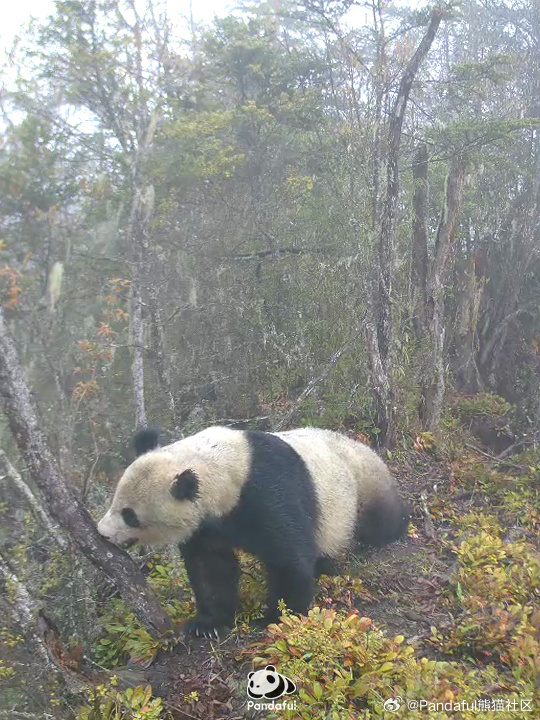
{"x": 345, "y": 669}
{"x": 494, "y": 596}
{"x": 467, "y": 407}
{"x": 106, "y": 703}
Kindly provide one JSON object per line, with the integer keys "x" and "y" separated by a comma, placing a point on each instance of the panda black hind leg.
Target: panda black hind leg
{"x": 295, "y": 585}
{"x": 214, "y": 572}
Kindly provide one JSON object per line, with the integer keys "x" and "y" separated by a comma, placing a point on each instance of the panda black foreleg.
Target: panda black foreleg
{"x": 214, "y": 572}
{"x": 294, "y": 585}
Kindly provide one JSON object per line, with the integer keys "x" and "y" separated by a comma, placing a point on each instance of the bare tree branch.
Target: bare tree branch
{"x": 315, "y": 382}
{"x": 71, "y": 515}
{"x": 39, "y": 512}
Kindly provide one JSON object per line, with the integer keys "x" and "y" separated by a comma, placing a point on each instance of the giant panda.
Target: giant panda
{"x": 295, "y": 500}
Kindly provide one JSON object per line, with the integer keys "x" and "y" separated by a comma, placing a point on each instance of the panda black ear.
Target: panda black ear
{"x": 146, "y": 440}
{"x": 185, "y": 486}
{"x": 270, "y": 668}
{"x": 250, "y": 675}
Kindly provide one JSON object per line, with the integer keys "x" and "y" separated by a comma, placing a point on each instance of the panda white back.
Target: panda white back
{"x": 356, "y": 493}
{"x": 334, "y": 484}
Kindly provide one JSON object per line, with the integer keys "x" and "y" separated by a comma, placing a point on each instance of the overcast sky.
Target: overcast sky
{"x": 16, "y": 13}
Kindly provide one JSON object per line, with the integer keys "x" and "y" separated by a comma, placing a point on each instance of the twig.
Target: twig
{"x": 316, "y": 381}
{"x": 25, "y": 609}
{"x": 17, "y": 715}
{"x": 428, "y": 522}
{"x": 510, "y": 450}
{"x": 88, "y": 479}
{"x": 244, "y": 421}
{"x": 492, "y": 458}
{"x": 39, "y": 512}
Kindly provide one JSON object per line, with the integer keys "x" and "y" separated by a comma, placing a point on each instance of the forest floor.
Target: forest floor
{"x": 404, "y": 588}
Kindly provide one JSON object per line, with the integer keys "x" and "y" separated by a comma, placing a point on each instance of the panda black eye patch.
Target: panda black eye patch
{"x": 129, "y": 516}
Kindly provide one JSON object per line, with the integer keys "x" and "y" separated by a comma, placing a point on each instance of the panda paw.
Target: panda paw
{"x": 201, "y": 629}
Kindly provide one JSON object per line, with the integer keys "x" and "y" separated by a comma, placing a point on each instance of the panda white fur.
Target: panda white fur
{"x": 268, "y": 684}
{"x": 293, "y": 499}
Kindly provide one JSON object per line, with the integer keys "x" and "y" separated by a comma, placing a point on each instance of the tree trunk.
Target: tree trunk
{"x": 382, "y": 386}
{"x": 71, "y": 515}
{"x": 381, "y": 346}
{"x": 162, "y": 364}
{"x": 433, "y": 387}
{"x": 137, "y": 341}
{"x": 25, "y": 610}
{"x": 143, "y": 288}
{"x": 419, "y": 258}
{"x": 41, "y": 633}
{"x": 464, "y": 366}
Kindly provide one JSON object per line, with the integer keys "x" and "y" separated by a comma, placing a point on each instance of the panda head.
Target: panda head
{"x": 157, "y": 499}
{"x": 269, "y": 684}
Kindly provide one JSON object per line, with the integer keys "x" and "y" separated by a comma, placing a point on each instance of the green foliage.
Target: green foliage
{"x": 253, "y": 589}
{"x": 245, "y": 52}
{"x": 6, "y": 671}
{"x": 472, "y": 135}
{"x": 30, "y": 181}
{"x": 170, "y": 583}
{"x": 204, "y": 144}
{"x": 336, "y": 659}
{"x": 514, "y": 497}
{"x": 124, "y": 636}
{"x": 454, "y": 436}
{"x": 496, "y": 593}
{"x": 345, "y": 668}
{"x": 107, "y": 703}
{"x": 495, "y": 68}
{"x": 8, "y": 638}
{"x": 481, "y": 405}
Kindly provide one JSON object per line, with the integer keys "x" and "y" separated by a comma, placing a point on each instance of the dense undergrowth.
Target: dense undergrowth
{"x": 473, "y": 566}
